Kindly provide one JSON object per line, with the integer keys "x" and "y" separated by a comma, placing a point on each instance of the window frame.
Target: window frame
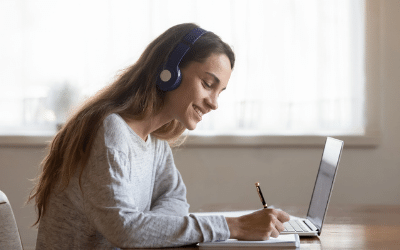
{"x": 371, "y": 138}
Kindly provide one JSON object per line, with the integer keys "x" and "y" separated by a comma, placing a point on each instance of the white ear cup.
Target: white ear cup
{"x": 165, "y": 75}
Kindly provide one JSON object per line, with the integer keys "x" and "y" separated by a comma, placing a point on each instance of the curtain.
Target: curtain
{"x": 299, "y": 64}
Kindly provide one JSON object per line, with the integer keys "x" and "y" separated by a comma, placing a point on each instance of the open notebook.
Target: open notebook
{"x": 287, "y": 240}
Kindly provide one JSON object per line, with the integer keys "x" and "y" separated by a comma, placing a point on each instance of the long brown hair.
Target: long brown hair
{"x": 133, "y": 95}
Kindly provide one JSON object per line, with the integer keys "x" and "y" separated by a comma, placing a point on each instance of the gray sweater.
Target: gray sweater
{"x": 132, "y": 196}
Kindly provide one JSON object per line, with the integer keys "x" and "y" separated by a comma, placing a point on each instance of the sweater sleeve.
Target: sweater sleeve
{"x": 114, "y": 213}
{"x": 169, "y": 194}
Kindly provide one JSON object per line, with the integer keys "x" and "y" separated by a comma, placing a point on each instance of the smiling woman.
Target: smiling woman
{"x": 110, "y": 180}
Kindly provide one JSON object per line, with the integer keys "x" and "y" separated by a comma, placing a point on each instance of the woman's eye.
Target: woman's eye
{"x": 206, "y": 85}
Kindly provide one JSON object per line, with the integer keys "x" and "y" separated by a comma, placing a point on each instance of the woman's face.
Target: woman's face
{"x": 199, "y": 90}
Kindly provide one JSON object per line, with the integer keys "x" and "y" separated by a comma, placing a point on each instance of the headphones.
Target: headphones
{"x": 170, "y": 76}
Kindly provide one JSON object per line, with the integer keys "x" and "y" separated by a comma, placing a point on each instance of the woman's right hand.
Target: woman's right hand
{"x": 260, "y": 225}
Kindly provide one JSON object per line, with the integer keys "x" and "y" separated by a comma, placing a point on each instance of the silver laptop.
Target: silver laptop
{"x": 312, "y": 224}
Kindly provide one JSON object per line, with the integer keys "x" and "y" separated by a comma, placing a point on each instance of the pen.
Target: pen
{"x": 260, "y": 194}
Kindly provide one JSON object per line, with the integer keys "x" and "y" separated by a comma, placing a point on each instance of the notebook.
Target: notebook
{"x": 312, "y": 224}
{"x": 288, "y": 240}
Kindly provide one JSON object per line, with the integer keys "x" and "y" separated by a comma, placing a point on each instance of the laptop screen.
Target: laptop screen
{"x": 324, "y": 182}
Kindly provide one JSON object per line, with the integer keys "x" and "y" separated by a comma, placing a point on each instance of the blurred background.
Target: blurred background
{"x": 304, "y": 70}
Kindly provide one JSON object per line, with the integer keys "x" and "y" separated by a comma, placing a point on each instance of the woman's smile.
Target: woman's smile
{"x": 198, "y": 111}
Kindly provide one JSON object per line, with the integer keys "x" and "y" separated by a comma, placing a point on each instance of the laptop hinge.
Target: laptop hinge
{"x": 310, "y": 225}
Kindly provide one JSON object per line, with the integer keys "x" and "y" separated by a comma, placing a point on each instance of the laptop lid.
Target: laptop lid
{"x": 324, "y": 182}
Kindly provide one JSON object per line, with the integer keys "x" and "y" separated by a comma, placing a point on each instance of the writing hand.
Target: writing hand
{"x": 260, "y": 225}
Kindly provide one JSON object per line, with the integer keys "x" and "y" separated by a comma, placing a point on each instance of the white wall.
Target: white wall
{"x": 227, "y": 175}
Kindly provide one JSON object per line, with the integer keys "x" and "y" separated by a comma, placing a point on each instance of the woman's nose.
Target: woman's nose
{"x": 212, "y": 101}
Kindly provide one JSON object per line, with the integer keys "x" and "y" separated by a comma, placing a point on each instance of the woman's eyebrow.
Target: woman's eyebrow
{"x": 216, "y": 79}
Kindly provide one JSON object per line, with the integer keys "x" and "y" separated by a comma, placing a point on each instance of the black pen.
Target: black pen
{"x": 260, "y": 194}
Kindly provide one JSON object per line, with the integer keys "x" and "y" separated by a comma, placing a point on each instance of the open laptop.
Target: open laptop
{"x": 312, "y": 224}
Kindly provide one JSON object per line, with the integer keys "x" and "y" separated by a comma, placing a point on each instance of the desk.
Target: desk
{"x": 346, "y": 227}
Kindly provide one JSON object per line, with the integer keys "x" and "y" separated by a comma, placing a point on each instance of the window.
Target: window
{"x": 299, "y": 68}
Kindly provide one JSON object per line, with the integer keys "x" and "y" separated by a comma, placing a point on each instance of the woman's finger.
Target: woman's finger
{"x": 274, "y": 233}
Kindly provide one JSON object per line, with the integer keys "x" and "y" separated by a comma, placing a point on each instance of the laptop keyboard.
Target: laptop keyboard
{"x": 295, "y": 226}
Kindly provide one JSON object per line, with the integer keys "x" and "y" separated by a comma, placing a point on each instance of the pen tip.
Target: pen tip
{"x": 257, "y": 184}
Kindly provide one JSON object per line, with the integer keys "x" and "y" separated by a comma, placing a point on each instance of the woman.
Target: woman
{"x": 109, "y": 179}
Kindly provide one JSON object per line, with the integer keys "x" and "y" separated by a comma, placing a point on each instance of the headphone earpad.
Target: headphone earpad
{"x": 169, "y": 79}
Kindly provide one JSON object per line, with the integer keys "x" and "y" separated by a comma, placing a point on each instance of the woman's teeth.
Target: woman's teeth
{"x": 198, "y": 111}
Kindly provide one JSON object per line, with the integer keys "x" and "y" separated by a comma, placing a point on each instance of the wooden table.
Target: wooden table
{"x": 356, "y": 227}
{"x": 345, "y": 227}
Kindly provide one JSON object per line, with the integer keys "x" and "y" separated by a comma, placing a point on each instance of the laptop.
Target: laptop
{"x": 312, "y": 224}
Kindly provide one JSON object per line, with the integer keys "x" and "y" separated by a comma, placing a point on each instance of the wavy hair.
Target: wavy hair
{"x": 133, "y": 95}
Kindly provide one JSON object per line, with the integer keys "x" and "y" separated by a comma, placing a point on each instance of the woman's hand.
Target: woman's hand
{"x": 259, "y": 225}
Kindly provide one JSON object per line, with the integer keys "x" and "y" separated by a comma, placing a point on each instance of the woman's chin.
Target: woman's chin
{"x": 191, "y": 125}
